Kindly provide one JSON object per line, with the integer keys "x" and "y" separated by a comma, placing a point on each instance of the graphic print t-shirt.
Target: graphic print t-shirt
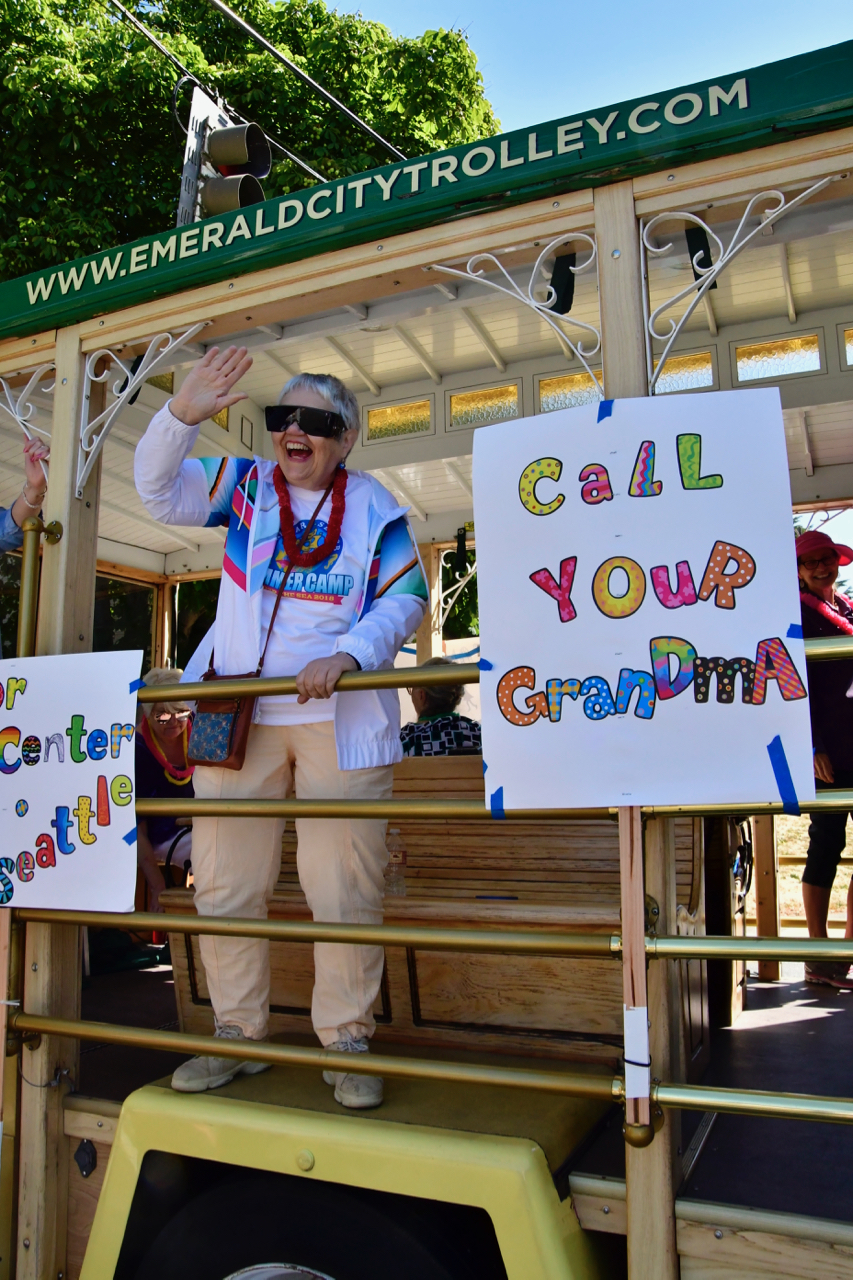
{"x": 317, "y": 606}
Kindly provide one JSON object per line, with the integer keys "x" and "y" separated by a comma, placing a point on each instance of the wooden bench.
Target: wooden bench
{"x": 555, "y": 876}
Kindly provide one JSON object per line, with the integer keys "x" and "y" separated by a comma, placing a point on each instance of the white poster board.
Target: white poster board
{"x": 640, "y": 629}
{"x": 67, "y": 781}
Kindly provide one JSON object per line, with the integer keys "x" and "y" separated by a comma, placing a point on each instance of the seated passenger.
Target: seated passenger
{"x": 439, "y": 729}
{"x": 162, "y": 772}
{"x": 826, "y": 612}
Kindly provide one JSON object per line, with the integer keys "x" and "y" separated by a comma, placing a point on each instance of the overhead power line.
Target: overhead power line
{"x": 304, "y": 77}
{"x": 187, "y": 75}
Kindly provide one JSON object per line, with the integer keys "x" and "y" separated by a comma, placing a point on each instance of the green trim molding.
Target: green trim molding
{"x": 809, "y": 94}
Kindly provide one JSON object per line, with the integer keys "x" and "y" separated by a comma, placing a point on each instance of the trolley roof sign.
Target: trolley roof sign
{"x": 639, "y": 610}
{"x": 740, "y": 111}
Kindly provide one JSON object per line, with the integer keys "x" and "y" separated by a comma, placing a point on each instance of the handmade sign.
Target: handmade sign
{"x": 639, "y": 613}
{"x": 67, "y": 729}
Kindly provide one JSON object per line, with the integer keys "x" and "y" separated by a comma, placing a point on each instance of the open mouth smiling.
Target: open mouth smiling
{"x": 297, "y": 451}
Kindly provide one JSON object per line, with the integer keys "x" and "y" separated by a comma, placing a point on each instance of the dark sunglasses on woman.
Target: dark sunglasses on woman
{"x": 314, "y": 422}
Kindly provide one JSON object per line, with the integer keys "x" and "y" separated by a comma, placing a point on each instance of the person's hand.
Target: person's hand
{"x": 823, "y": 768}
{"x": 207, "y": 388}
{"x": 319, "y": 678}
{"x": 35, "y": 451}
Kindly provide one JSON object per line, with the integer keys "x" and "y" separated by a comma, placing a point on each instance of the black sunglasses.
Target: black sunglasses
{"x": 314, "y": 422}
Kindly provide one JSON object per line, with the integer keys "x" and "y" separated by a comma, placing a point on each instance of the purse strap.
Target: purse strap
{"x": 300, "y": 544}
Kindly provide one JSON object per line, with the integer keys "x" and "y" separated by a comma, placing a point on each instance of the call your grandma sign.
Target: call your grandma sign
{"x": 639, "y": 608}
{"x": 67, "y": 781}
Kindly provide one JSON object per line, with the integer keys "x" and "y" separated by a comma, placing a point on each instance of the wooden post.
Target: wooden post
{"x": 634, "y": 994}
{"x": 620, "y": 292}
{"x": 52, "y": 953}
{"x": 649, "y": 1170}
{"x": 428, "y": 635}
{"x": 766, "y": 889}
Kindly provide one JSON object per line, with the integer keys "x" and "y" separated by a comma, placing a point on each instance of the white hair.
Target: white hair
{"x": 337, "y": 393}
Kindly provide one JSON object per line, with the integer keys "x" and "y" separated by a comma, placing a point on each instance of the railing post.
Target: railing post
{"x": 52, "y": 961}
{"x": 650, "y": 1195}
{"x": 28, "y": 601}
{"x": 766, "y": 889}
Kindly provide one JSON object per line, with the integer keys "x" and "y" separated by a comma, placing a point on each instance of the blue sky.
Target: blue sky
{"x": 544, "y": 58}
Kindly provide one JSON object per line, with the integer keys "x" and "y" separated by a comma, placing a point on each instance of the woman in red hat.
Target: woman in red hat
{"x": 826, "y": 612}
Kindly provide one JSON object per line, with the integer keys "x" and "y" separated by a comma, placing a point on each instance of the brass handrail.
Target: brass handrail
{"x": 820, "y": 649}
{"x": 321, "y": 808}
{"x": 271, "y": 686}
{"x": 542, "y": 941}
{"x": 577, "y": 1084}
{"x": 824, "y": 648}
{"x": 710, "y": 948}
{"x": 506, "y": 941}
{"x": 755, "y": 1102}
{"x": 573, "y": 1084}
{"x": 835, "y": 801}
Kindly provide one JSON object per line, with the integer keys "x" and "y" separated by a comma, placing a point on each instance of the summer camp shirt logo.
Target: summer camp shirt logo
{"x": 320, "y": 583}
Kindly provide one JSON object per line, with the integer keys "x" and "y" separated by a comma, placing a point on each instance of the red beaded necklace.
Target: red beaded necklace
{"x": 179, "y": 776}
{"x": 297, "y": 559}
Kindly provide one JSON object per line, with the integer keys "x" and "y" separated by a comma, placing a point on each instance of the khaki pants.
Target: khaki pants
{"x": 341, "y": 863}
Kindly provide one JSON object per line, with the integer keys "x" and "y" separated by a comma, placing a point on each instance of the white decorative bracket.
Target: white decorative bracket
{"x": 447, "y": 599}
{"x": 159, "y": 355}
{"x": 20, "y": 407}
{"x": 741, "y": 240}
{"x": 474, "y": 270}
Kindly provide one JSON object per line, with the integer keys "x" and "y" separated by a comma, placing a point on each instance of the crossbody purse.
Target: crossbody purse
{"x": 220, "y": 729}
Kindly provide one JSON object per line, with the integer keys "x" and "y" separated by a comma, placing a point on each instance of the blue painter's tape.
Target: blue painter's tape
{"x": 130, "y": 838}
{"x": 485, "y": 665}
{"x": 794, "y": 632}
{"x": 784, "y": 781}
{"x": 136, "y": 684}
{"x": 605, "y": 409}
{"x": 496, "y": 803}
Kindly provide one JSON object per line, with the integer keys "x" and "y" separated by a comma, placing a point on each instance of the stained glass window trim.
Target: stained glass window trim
{"x": 777, "y": 358}
{"x": 686, "y": 372}
{"x": 845, "y": 345}
{"x": 470, "y": 403}
{"x": 578, "y": 389}
{"x": 423, "y": 410}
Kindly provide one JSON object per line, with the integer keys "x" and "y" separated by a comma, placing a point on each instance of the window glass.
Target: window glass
{"x": 686, "y": 373}
{"x": 567, "y": 391}
{"x": 123, "y": 616}
{"x": 476, "y": 408}
{"x": 778, "y": 358}
{"x": 399, "y": 420}
{"x": 195, "y": 610}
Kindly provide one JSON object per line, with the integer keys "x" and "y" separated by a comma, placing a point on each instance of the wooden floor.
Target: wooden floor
{"x": 765, "y": 1197}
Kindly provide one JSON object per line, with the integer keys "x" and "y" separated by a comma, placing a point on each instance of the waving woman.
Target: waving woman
{"x": 320, "y": 576}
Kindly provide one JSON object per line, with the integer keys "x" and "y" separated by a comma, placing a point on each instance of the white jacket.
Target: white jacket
{"x": 240, "y": 494}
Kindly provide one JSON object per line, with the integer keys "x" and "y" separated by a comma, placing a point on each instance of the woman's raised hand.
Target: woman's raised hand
{"x": 207, "y": 388}
{"x": 35, "y": 451}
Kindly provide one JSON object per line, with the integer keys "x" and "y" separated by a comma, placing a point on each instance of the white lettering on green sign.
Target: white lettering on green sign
{"x": 441, "y": 172}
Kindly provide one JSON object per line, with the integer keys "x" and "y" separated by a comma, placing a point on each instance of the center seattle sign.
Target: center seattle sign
{"x": 778, "y": 101}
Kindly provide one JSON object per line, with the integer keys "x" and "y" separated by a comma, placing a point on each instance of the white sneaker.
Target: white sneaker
{"x": 355, "y": 1091}
{"x": 207, "y": 1072}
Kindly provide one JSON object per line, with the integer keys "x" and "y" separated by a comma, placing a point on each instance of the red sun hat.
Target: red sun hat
{"x": 815, "y": 541}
